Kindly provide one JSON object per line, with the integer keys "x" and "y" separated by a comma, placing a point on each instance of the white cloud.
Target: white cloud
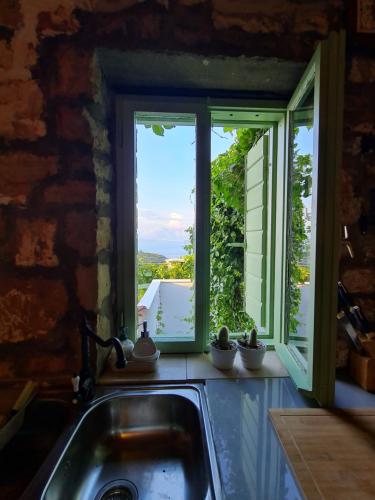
{"x": 163, "y": 225}
{"x": 175, "y": 216}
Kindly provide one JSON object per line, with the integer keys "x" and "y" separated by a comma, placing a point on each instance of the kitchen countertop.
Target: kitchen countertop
{"x": 251, "y": 462}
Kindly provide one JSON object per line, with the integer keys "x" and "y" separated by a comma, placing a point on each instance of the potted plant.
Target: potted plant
{"x": 252, "y": 350}
{"x": 223, "y": 350}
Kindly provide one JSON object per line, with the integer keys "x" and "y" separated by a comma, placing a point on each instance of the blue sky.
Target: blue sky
{"x": 166, "y": 178}
{"x": 305, "y": 144}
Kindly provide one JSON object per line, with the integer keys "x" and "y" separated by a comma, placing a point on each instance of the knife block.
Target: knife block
{"x": 368, "y": 344}
{"x": 362, "y": 370}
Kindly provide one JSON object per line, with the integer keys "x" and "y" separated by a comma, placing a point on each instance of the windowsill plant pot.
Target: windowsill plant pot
{"x": 252, "y": 351}
{"x": 223, "y": 350}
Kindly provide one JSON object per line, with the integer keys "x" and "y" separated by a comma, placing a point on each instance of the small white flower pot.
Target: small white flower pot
{"x": 252, "y": 359}
{"x": 223, "y": 359}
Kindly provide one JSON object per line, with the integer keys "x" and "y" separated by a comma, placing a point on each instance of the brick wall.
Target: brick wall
{"x": 55, "y": 157}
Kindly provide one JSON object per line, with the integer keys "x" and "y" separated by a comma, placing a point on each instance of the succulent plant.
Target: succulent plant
{"x": 224, "y": 338}
{"x": 250, "y": 341}
{"x": 253, "y": 342}
{"x": 221, "y": 341}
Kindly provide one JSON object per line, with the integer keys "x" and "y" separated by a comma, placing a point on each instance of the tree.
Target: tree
{"x": 146, "y": 272}
{"x": 300, "y": 186}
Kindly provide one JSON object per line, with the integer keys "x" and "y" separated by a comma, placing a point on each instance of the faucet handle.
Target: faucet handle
{"x": 75, "y": 383}
{"x": 86, "y": 389}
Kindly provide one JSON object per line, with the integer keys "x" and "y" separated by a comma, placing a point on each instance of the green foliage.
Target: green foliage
{"x": 159, "y": 320}
{"x": 300, "y": 181}
{"x": 151, "y": 258}
{"x": 304, "y": 273}
{"x": 147, "y": 271}
{"x": 227, "y": 226}
{"x": 159, "y": 129}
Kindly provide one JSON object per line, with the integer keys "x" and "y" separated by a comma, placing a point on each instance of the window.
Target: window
{"x": 306, "y": 275}
{"x": 177, "y": 310}
{"x": 288, "y": 240}
{"x": 166, "y": 221}
{"x": 189, "y": 326}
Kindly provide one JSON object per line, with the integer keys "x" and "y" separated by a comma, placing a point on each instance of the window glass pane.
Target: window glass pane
{"x": 226, "y": 273}
{"x": 300, "y": 296}
{"x": 166, "y": 169}
{"x": 230, "y": 276}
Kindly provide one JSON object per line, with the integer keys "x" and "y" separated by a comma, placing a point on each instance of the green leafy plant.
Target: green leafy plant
{"x": 300, "y": 182}
{"x": 159, "y": 128}
{"x": 304, "y": 272}
{"x": 159, "y": 320}
{"x": 227, "y": 227}
{"x": 146, "y": 271}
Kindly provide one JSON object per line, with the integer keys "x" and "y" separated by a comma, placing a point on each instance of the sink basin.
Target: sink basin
{"x": 139, "y": 444}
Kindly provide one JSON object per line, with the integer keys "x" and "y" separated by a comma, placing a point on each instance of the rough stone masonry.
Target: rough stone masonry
{"x": 56, "y": 208}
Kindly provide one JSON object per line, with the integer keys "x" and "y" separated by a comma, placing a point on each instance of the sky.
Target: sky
{"x": 305, "y": 144}
{"x": 166, "y": 179}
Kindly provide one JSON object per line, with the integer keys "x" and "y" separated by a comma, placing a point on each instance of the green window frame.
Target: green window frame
{"x": 327, "y": 70}
{"x": 325, "y": 74}
{"x": 126, "y": 109}
{"x": 208, "y": 112}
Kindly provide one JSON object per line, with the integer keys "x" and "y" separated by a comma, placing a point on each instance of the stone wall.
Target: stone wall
{"x": 55, "y": 158}
{"x": 358, "y": 177}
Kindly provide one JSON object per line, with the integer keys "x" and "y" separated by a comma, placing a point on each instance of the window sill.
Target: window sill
{"x": 194, "y": 367}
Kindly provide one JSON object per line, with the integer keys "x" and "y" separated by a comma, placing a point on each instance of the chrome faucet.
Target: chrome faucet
{"x": 86, "y": 377}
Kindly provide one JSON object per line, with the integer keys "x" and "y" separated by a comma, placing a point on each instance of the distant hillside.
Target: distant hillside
{"x": 151, "y": 258}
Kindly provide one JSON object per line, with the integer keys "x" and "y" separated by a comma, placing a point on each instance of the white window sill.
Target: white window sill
{"x": 194, "y": 367}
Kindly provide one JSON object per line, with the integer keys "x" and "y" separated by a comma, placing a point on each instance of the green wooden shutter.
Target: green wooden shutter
{"x": 256, "y": 231}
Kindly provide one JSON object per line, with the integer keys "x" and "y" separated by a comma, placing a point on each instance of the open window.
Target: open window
{"x": 288, "y": 240}
{"x": 307, "y": 272}
{"x": 148, "y": 197}
{"x": 256, "y": 237}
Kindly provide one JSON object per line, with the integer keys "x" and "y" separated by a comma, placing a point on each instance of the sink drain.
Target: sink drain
{"x": 121, "y": 489}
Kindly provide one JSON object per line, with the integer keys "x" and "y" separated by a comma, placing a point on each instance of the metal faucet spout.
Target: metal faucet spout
{"x": 121, "y": 360}
{"x": 87, "y": 379}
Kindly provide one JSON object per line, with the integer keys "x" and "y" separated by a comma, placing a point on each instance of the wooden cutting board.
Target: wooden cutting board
{"x": 332, "y": 452}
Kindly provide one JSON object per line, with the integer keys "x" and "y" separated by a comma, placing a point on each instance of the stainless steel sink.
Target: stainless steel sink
{"x": 140, "y": 444}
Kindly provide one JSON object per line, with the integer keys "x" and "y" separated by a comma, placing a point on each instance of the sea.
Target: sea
{"x": 171, "y": 249}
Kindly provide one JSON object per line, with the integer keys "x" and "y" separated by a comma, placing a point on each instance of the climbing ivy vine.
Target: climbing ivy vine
{"x": 299, "y": 232}
{"x": 227, "y": 227}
